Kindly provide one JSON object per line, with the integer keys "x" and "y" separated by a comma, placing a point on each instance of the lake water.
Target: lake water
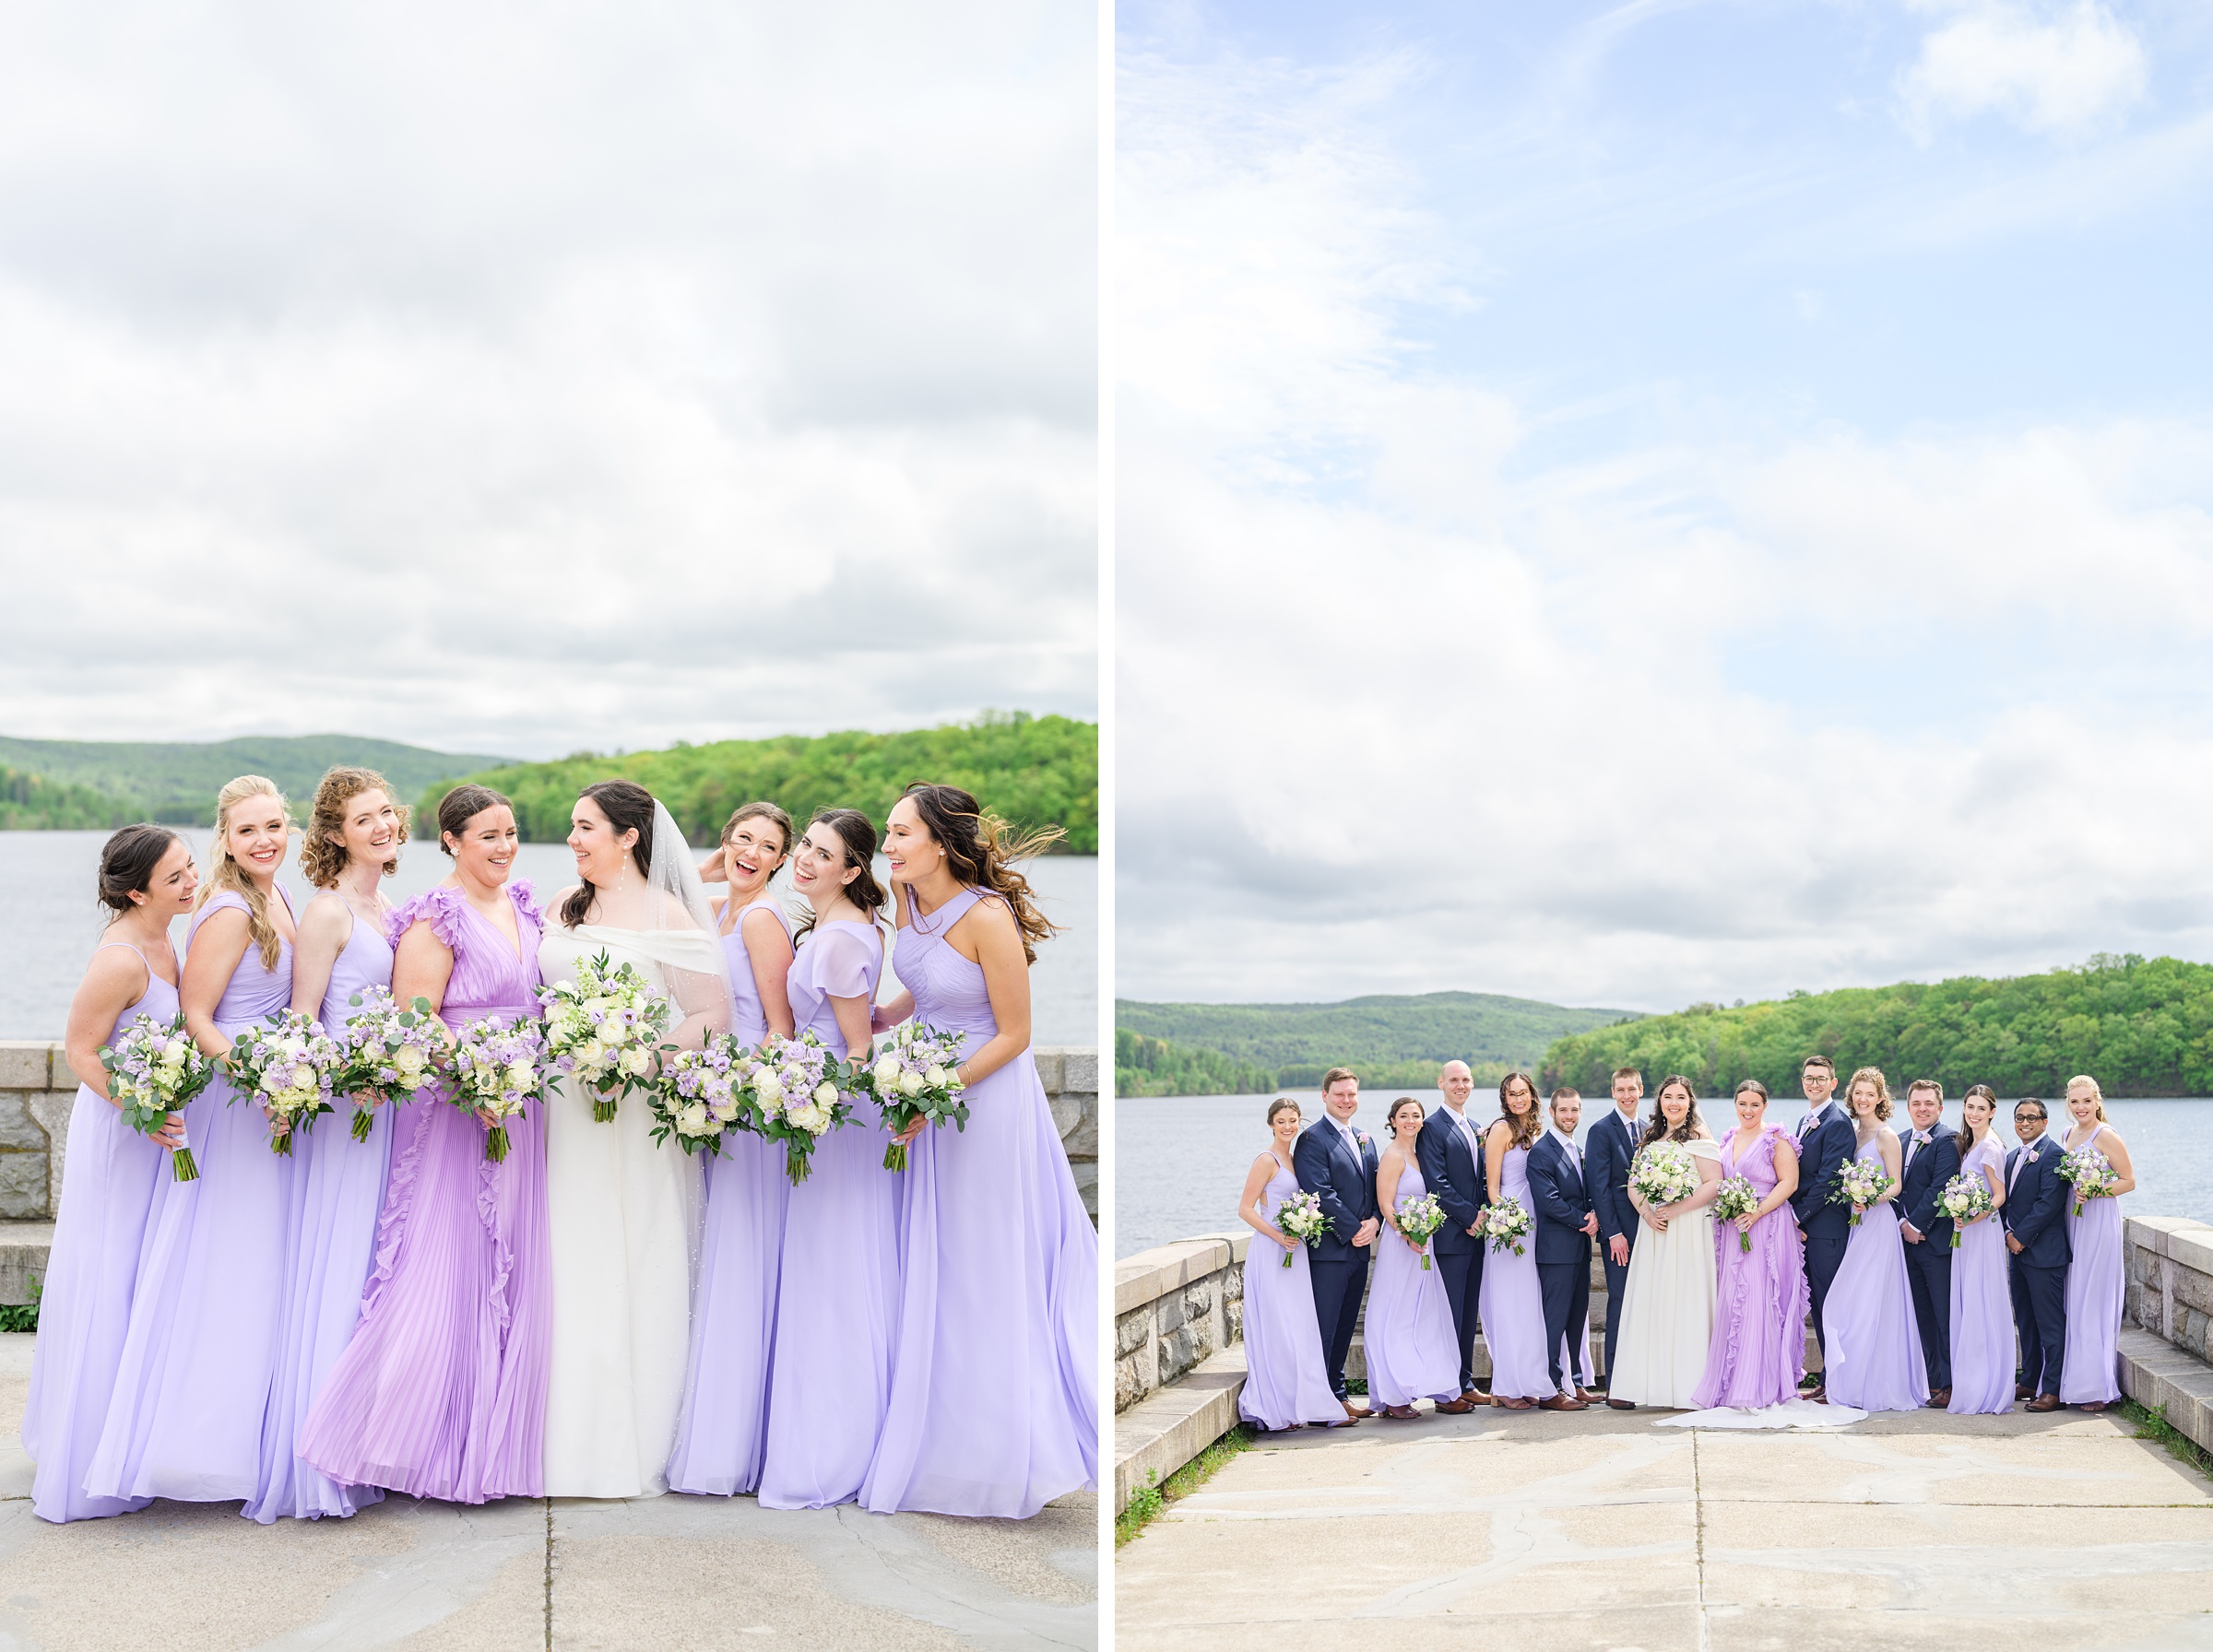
{"x": 1180, "y": 1161}
{"x": 49, "y": 924}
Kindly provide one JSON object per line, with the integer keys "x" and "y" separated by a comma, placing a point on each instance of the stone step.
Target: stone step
{"x": 23, "y": 1248}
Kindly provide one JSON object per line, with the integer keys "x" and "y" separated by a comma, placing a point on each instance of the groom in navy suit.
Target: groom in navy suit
{"x": 1337, "y": 1164}
{"x": 2036, "y": 1235}
{"x": 1932, "y": 1159}
{"x": 1565, "y": 1225}
{"x": 1825, "y": 1138}
{"x": 1449, "y": 1151}
{"x": 1607, "y": 1151}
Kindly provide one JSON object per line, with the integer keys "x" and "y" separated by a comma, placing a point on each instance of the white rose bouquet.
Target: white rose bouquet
{"x": 498, "y": 1065}
{"x": 1663, "y": 1173}
{"x": 290, "y": 1066}
{"x": 796, "y": 1097}
{"x": 391, "y": 1051}
{"x": 1302, "y": 1217}
{"x": 154, "y": 1068}
{"x": 1738, "y": 1199}
{"x": 916, "y": 1076}
{"x": 1965, "y": 1197}
{"x": 2092, "y": 1173}
{"x": 1860, "y": 1182}
{"x": 1507, "y": 1221}
{"x": 701, "y": 1094}
{"x": 605, "y": 1028}
{"x": 1418, "y": 1216}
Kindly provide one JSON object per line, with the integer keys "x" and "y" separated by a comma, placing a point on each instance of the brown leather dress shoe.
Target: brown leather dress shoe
{"x": 1819, "y": 1396}
{"x": 1454, "y": 1408}
{"x": 1939, "y": 1399}
{"x": 1561, "y": 1403}
{"x": 2023, "y": 1391}
{"x": 1475, "y": 1396}
{"x": 2043, "y": 1402}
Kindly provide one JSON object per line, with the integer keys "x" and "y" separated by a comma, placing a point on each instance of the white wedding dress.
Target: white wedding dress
{"x": 1667, "y": 1306}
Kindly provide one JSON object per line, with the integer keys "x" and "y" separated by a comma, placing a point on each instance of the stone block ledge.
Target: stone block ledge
{"x": 1162, "y": 1432}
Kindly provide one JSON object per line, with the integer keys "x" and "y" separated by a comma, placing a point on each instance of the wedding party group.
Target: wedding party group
{"x": 1935, "y": 1266}
{"x": 605, "y": 1197}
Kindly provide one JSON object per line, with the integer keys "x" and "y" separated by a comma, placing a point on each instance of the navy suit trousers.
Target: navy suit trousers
{"x": 1567, "y": 1288}
{"x": 2040, "y": 1315}
{"x": 1338, "y": 1288}
{"x": 1463, "y": 1273}
{"x": 1618, "y": 1284}
{"x": 1823, "y": 1258}
{"x": 1929, "y": 1271}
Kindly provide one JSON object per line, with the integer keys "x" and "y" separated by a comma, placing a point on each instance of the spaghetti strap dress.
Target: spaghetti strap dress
{"x": 1286, "y": 1384}
{"x": 1407, "y": 1340}
{"x": 2090, "y": 1367}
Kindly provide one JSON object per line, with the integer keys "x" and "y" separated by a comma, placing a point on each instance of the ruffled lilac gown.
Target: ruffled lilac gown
{"x": 837, "y": 1291}
{"x": 201, "y": 1350}
{"x": 2090, "y": 1368}
{"x": 1285, "y": 1382}
{"x": 1873, "y": 1354}
{"x": 1758, "y": 1353}
{"x": 998, "y": 1280}
{"x": 1983, "y": 1336}
{"x": 108, "y": 1186}
{"x": 1510, "y": 1303}
{"x": 441, "y": 1391}
{"x": 721, "y": 1432}
{"x": 1408, "y": 1339}
{"x": 338, "y": 1190}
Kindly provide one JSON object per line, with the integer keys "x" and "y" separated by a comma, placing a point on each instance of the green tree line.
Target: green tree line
{"x": 1032, "y": 771}
{"x": 2141, "y": 1027}
{"x": 1148, "y": 1065}
{"x": 33, "y": 803}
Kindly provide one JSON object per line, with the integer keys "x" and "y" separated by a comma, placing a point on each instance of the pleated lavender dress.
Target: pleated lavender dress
{"x": 441, "y": 1391}
{"x": 1983, "y": 1335}
{"x": 1285, "y": 1379}
{"x": 2090, "y": 1368}
{"x": 1873, "y": 1353}
{"x": 1408, "y": 1336}
{"x": 1758, "y": 1353}
{"x": 201, "y": 1350}
{"x": 109, "y": 1181}
{"x": 337, "y": 1192}
{"x": 1510, "y": 1303}
{"x": 998, "y": 1284}
{"x": 837, "y": 1291}
{"x": 720, "y": 1436}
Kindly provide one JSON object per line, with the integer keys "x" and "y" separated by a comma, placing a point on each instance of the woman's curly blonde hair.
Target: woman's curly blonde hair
{"x": 323, "y": 846}
{"x": 1874, "y": 1075}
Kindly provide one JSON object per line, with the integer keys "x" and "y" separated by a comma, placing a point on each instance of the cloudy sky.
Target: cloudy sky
{"x": 527, "y": 378}
{"x": 1639, "y": 503}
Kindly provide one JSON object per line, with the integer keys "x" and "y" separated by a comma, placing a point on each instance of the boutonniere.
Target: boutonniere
{"x": 1361, "y": 1137}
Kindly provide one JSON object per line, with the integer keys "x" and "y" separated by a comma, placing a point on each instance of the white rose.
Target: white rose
{"x": 938, "y": 1077}
{"x": 767, "y": 1086}
{"x": 825, "y": 1094}
{"x": 693, "y": 1120}
{"x": 270, "y": 1083}
{"x": 635, "y": 1061}
{"x": 886, "y": 1073}
{"x": 522, "y": 1075}
{"x": 910, "y": 1083}
{"x": 409, "y": 1060}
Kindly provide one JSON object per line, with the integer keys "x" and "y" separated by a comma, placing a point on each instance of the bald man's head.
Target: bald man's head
{"x": 1457, "y": 1082}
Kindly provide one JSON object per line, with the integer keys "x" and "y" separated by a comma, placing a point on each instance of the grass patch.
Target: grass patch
{"x": 23, "y": 1315}
{"x": 1148, "y": 1499}
{"x": 2152, "y": 1424}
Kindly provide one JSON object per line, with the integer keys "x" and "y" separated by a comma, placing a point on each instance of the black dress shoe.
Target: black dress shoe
{"x": 1621, "y": 1405}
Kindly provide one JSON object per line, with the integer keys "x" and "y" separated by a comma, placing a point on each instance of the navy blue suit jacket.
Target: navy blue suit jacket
{"x": 1924, "y": 1180}
{"x": 1820, "y": 1153}
{"x": 1453, "y": 1171}
{"x": 1555, "y": 1190}
{"x": 1345, "y": 1186}
{"x": 1608, "y": 1147}
{"x": 2034, "y": 1201}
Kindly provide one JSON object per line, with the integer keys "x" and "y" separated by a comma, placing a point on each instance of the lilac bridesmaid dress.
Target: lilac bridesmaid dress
{"x": 1872, "y": 1353}
{"x": 1408, "y": 1339}
{"x": 108, "y": 1186}
{"x": 1982, "y": 1337}
{"x": 338, "y": 1190}
{"x": 837, "y": 1292}
{"x": 198, "y": 1361}
{"x": 1285, "y": 1379}
{"x": 1757, "y": 1356}
{"x": 2090, "y": 1368}
{"x": 720, "y": 1435}
{"x": 1510, "y": 1303}
{"x": 998, "y": 1280}
{"x": 441, "y": 1391}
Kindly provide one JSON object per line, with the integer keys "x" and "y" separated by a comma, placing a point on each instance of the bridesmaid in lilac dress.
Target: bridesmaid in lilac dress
{"x": 351, "y": 844}
{"x": 110, "y": 1175}
{"x": 723, "y": 1427}
{"x": 1285, "y": 1383}
{"x": 837, "y": 1295}
{"x": 1983, "y": 1335}
{"x": 2090, "y": 1368}
{"x": 1408, "y": 1340}
{"x": 1874, "y": 1343}
{"x": 441, "y": 1391}
{"x": 1758, "y": 1358}
{"x": 197, "y": 1362}
{"x": 1510, "y": 1304}
{"x": 998, "y": 1283}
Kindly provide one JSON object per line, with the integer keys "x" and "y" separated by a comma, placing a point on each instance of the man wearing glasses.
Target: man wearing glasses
{"x": 2036, "y": 1238}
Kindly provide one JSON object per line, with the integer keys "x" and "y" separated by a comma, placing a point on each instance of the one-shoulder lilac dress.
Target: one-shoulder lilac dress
{"x": 441, "y": 1391}
{"x": 1408, "y": 1340}
{"x": 999, "y": 1280}
{"x": 837, "y": 1292}
{"x": 1285, "y": 1382}
{"x": 1871, "y": 1355}
{"x": 197, "y": 1362}
{"x": 108, "y": 1179}
{"x": 2096, "y": 1289}
{"x": 338, "y": 1190}
{"x": 1757, "y": 1357}
{"x": 1982, "y": 1337}
{"x": 720, "y": 1435}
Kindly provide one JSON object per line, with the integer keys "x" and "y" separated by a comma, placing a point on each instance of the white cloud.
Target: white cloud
{"x": 2060, "y": 69}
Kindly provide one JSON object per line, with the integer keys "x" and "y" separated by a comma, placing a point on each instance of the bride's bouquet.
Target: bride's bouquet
{"x": 2092, "y": 1173}
{"x": 915, "y": 1077}
{"x": 701, "y": 1094}
{"x": 154, "y": 1068}
{"x": 1418, "y": 1216}
{"x": 1301, "y": 1216}
{"x": 1860, "y": 1182}
{"x": 1965, "y": 1197}
{"x": 391, "y": 1051}
{"x": 796, "y": 1098}
{"x": 1664, "y": 1173}
{"x": 605, "y": 1028}
{"x": 291, "y": 1065}
{"x": 495, "y": 1067}
{"x": 1738, "y": 1199}
{"x": 1507, "y": 1221}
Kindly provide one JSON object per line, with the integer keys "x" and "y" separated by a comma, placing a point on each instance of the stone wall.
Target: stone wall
{"x": 2170, "y": 1263}
{"x": 1173, "y": 1306}
{"x": 1070, "y": 1077}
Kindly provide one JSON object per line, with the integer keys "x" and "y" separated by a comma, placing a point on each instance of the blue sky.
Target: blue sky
{"x": 1741, "y": 470}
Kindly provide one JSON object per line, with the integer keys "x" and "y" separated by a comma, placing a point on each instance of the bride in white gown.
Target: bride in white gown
{"x": 623, "y": 1214}
{"x": 1667, "y": 1305}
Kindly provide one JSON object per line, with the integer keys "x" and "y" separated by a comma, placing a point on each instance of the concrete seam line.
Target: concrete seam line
{"x": 548, "y": 1502}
